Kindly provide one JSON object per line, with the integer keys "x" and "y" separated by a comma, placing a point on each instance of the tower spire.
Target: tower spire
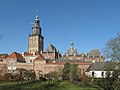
{"x": 36, "y": 29}
{"x": 72, "y": 44}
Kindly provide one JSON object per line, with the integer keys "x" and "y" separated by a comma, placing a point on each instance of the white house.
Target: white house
{"x": 97, "y": 69}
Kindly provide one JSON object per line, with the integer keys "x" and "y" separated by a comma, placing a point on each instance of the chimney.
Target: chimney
{"x": 23, "y": 54}
{"x": 33, "y": 53}
{"x": 41, "y": 52}
{"x": 53, "y": 61}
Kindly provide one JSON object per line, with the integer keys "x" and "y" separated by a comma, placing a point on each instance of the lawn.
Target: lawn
{"x": 41, "y": 86}
{"x": 69, "y": 86}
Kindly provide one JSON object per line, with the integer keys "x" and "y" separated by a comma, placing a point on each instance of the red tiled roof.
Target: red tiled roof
{"x": 27, "y": 54}
{"x": 40, "y": 57}
{"x": 16, "y": 55}
{"x": 36, "y": 53}
{"x": 4, "y": 56}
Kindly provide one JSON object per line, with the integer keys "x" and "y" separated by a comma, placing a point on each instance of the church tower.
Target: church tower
{"x": 36, "y": 40}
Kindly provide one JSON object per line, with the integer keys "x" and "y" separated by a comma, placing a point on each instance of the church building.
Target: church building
{"x": 36, "y": 40}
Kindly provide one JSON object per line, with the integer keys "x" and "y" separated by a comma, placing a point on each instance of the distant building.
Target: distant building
{"x": 14, "y": 61}
{"x": 72, "y": 50}
{"x": 93, "y": 56}
{"x": 39, "y": 66}
{"x": 51, "y": 53}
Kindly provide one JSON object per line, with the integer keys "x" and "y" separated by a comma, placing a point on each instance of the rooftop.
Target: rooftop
{"x": 16, "y": 55}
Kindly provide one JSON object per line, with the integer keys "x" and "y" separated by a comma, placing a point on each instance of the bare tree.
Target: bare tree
{"x": 112, "y": 52}
{"x": 112, "y": 49}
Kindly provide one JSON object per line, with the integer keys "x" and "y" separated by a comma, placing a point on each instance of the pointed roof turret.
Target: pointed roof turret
{"x": 72, "y": 50}
{"x": 36, "y": 29}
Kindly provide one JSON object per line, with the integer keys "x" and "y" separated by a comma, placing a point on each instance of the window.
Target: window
{"x": 13, "y": 70}
{"x": 1, "y": 60}
{"x": 37, "y": 65}
{"x": 93, "y": 73}
{"x": 102, "y": 74}
{"x": 108, "y": 73}
{"x": 30, "y": 60}
{"x": 9, "y": 70}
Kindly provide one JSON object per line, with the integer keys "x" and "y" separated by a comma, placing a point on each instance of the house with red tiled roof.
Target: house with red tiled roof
{"x": 27, "y": 54}
{"x": 17, "y": 56}
{"x": 39, "y": 66}
{"x": 29, "y": 58}
{"x": 3, "y": 58}
{"x": 14, "y": 61}
{"x": 40, "y": 57}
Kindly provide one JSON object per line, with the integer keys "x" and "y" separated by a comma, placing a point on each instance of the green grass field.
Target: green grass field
{"x": 40, "y": 86}
{"x": 69, "y": 86}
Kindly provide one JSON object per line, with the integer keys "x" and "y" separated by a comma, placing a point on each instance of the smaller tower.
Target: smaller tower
{"x": 36, "y": 40}
{"x": 72, "y": 50}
